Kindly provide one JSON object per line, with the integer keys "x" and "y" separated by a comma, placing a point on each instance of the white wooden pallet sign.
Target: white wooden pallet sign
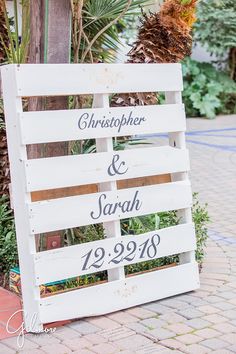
{"x": 105, "y": 167}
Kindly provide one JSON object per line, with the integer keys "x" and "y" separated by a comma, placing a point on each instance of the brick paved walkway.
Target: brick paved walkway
{"x": 199, "y": 322}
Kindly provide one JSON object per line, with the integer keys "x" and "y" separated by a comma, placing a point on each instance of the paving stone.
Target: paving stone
{"x": 189, "y": 298}
{"x": 175, "y": 304}
{"x": 122, "y": 317}
{"x": 12, "y": 343}
{"x": 198, "y": 323}
{"x": 156, "y": 307}
{"x": 179, "y": 328}
{"x": 31, "y": 351}
{"x": 232, "y": 301}
{"x": 231, "y": 314}
{"x": 232, "y": 348}
{"x": 230, "y": 338}
{"x": 214, "y": 299}
{"x": 172, "y": 318}
{"x": 84, "y": 327}
{"x": 141, "y": 313}
{"x": 117, "y": 333}
{"x": 225, "y": 328}
{"x": 224, "y": 305}
{"x": 191, "y": 313}
{"x": 43, "y": 338}
{"x": 56, "y": 348}
{"x": 215, "y": 318}
{"x": 228, "y": 295}
{"x": 207, "y": 333}
{"x": 77, "y": 343}
{"x": 189, "y": 338}
{"x": 152, "y": 323}
{"x": 222, "y": 351}
{"x": 103, "y": 322}
{"x": 198, "y": 349}
{"x": 173, "y": 343}
{"x": 214, "y": 343}
{"x": 83, "y": 351}
{"x": 6, "y": 350}
{"x": 137, "y": 327}
{"x": 104, "y": 348}
{"x": 95, "y": 338}
{"x": 160, "y": 333}
{"x": 66, "y": 332}
{"x": 150, "y": 349}
{"x": 208, "y": 309}
{"x": 132, "y": 342}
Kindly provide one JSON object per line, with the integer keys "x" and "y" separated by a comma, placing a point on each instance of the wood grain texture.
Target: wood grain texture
{"x": 63, "y": 125}
{"x": 68, "y": 171}
{"x": 61, "y": 79}
{"x": 68, "y": 262}
{"x": 117, "y": 295}
{"x": 60, "y": 214}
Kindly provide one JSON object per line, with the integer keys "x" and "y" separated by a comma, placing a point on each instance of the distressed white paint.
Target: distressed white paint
{"x": 177, "y": 140}
{"x": 63, "y": 79}
{"x": 57, "y": 214}
{"x": 83, "y": 169}
{"x": 63, "y": 213}
{"x": 62, "y": 125}
{"x": 120, "y": 294}
{"x": 25, "y": 241}
{"x": 67, "y": 262}
{"x": 111, "y": 228}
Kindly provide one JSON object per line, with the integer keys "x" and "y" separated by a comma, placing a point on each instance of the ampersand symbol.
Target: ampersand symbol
{"x": 116, "y": 169}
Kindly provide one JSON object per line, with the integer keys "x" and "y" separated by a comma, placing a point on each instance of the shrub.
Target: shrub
{"x": 207, "y": 91}
{"x": 8, "y": 247}
{"x": 216, "y": 28}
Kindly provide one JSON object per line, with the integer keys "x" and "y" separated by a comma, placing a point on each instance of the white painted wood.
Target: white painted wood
{"x": 25, "y": 241}
{"x": 112, "y": 228}
{"x": 177, "y": 139}
{"x": 63, "y": 79}
{"x": 63, "y": 213}
{"x": 67, "y": 262}
{"x": 57, "y": 172}
{"x": 107, "y": 206}
{"x": 63, "y": 125}
{"x": 121, "y": 294}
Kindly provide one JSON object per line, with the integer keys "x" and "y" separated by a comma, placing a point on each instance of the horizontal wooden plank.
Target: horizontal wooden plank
{"x": 87, "y": 258}
{"x": 73, "y": 79}
{"x": 94, "y": 188}
{"x": 132, "y": 291}
{"x": 60, "y": 214}
{"x": 64, "y": 125}
{"x": 67, "y": 171}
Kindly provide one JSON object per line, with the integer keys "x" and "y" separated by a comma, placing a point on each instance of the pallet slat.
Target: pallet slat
{"x": 63, "y": 79}
{"x": 68, "y": 262}
{"x": 68, "y": 171}
{"x": 117, "y": 295}
{"x": 60, "y": 214}
{"x": 63, "y": 125}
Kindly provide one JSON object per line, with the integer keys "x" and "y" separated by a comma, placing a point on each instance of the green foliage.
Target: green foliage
{"x": 97, "y": 36}
{"x": 17, "y": 50}
{"x": 207, "y": 91}
{"x": 200, "y": 219}
{"x": 8, "y": 248}
{"x": 216, "y": 27}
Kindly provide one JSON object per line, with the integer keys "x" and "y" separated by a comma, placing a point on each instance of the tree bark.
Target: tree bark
{"x": 49, "y": 43}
